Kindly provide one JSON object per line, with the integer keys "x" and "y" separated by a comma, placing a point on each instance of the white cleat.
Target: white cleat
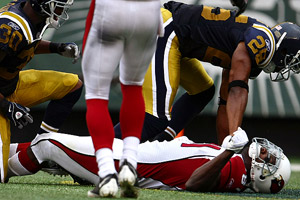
{"x": 107, "y": 187}
{"x": 128, "y": 180}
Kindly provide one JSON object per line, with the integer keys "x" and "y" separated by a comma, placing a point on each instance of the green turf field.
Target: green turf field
{"x": 4, "y": 2}
{"x": 44, "y": 186}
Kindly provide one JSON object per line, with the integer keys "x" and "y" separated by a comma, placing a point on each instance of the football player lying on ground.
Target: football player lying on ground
{"x": 179, "y": 164}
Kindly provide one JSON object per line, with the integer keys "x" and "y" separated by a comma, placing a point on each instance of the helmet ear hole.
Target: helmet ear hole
{"x": 262, "y": 177}
{"x": 283, "y": 51}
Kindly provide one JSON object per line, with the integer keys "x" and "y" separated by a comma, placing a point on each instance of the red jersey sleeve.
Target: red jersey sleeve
{"x": 233, "y": 176}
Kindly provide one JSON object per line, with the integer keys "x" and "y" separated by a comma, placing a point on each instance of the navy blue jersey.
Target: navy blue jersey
{"x": 212, "y": 34}
{"x": 18, "y": 39}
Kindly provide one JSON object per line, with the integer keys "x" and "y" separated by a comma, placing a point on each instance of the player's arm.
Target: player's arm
{"x": 70, "y": 50}
{"x": 238, "y": 87}
{"x": 43, "y": 47}
{"x": 222, "y": 121}
{"x": 207, "y": 177}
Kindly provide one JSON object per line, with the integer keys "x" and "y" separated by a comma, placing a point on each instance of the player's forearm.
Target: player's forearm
{"x": 222, "y": 118}
{"x": 222, "y": 124}
{"x": 207, "y": 177}
{"x": 235, "y": 107}
{"x": 43, "y": 47}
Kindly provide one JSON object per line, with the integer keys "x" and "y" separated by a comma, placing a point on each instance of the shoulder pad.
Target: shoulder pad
{"x": 260, "y": 43}
{"x": 17, "y": 22}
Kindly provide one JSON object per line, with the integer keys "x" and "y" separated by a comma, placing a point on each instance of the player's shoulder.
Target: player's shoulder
{"x": 260, "y": 43}
{"x": 15, "y": 23}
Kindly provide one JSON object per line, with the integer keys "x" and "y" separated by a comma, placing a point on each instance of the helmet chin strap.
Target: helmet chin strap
{"x": 52, "y": 23}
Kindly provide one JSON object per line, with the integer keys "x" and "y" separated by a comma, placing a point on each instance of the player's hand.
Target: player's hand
{"x": 18, "y": 115}
{"x": 241, "y": 4}
{"x": 236, "y": 142}
{"x": 70, "y": 50}
{"x": 162, "y": 137}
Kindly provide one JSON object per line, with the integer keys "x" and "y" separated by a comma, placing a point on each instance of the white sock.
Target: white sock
{"x": 105, "y": 162}
{"x": 130, "y": 146}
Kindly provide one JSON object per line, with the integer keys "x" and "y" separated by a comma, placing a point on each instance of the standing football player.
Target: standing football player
{"x": 119, "y": 33}
{"x": 241, "y": 45}
{"x": 22, "y": 24}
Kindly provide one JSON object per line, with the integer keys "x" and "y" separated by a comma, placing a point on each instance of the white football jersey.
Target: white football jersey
{"x": 161, "y": 165}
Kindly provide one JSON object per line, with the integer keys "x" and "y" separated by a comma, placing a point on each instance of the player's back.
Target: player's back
{"x": 208, "y": 33}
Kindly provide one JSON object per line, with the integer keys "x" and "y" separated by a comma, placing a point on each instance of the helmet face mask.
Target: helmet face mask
{"x": 54, "y": 10}
{"x": 269, "y": 174}
{"x": 286, "y": 58}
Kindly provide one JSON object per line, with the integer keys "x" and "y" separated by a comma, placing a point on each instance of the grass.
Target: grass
{"x": 3, "y": 3}
{"x": 43, "y": 186}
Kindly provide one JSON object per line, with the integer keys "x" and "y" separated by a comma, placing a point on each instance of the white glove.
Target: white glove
{"x": 69, "y": 50}
{"x": 236, "y": 142}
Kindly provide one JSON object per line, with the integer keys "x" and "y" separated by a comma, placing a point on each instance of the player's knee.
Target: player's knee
{"x": 74, "y": 95}
{"x": 210, "y": 92}
{"x": 206, "y": 95}
{"x": 79, "y": 85}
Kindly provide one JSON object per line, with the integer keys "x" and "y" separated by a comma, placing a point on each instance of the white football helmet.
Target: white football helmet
{"x": 268, "y": 177}
{"x": 47, "y": 9}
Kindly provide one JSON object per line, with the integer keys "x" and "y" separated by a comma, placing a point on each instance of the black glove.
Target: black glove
{"x": 18, "y": 114}
{"x": 70, "y": 50}
{"x": 163, "y": 136}
{"x": 241, "y": 4}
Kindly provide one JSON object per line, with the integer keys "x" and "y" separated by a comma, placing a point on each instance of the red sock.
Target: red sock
{"x": 27, "y": 162}
{"x": 132, "y": 111}
{"x": 22, "y": 146}
{"x": 99, "y": 123}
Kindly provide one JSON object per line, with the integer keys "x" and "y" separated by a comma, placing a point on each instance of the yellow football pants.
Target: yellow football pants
{"x": 34, "y": 87}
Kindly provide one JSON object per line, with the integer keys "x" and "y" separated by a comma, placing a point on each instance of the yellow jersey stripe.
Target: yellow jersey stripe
{"x": 21, "y": 22}
{"x": 272, "y": 39}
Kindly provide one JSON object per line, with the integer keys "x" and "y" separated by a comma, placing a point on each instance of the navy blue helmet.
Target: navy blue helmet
{"x": 286, "y": 57}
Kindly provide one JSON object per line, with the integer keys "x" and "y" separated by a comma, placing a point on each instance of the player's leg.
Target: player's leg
{"x": 59, "y": 109}
{"x": 162, "y": 80}
{"x": 63, "y": 89}
{"x": 4, "y": 146}
{"x": 103, "y": 50}
{"x": 152, "y": 126}
{"x": 200, "y": 90}
{"x": 138, "y": 51}
{"x": 74, "y": 154}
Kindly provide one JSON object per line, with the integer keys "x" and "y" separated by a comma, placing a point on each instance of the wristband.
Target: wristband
{"x": 54, "y": 47}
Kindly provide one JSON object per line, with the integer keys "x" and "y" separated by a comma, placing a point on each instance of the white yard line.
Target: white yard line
{"x": 295, "y": 167}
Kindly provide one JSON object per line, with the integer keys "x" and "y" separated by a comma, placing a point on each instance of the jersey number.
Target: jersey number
{"x": 13, "y": 38}
{"x": 259, "y": 49}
